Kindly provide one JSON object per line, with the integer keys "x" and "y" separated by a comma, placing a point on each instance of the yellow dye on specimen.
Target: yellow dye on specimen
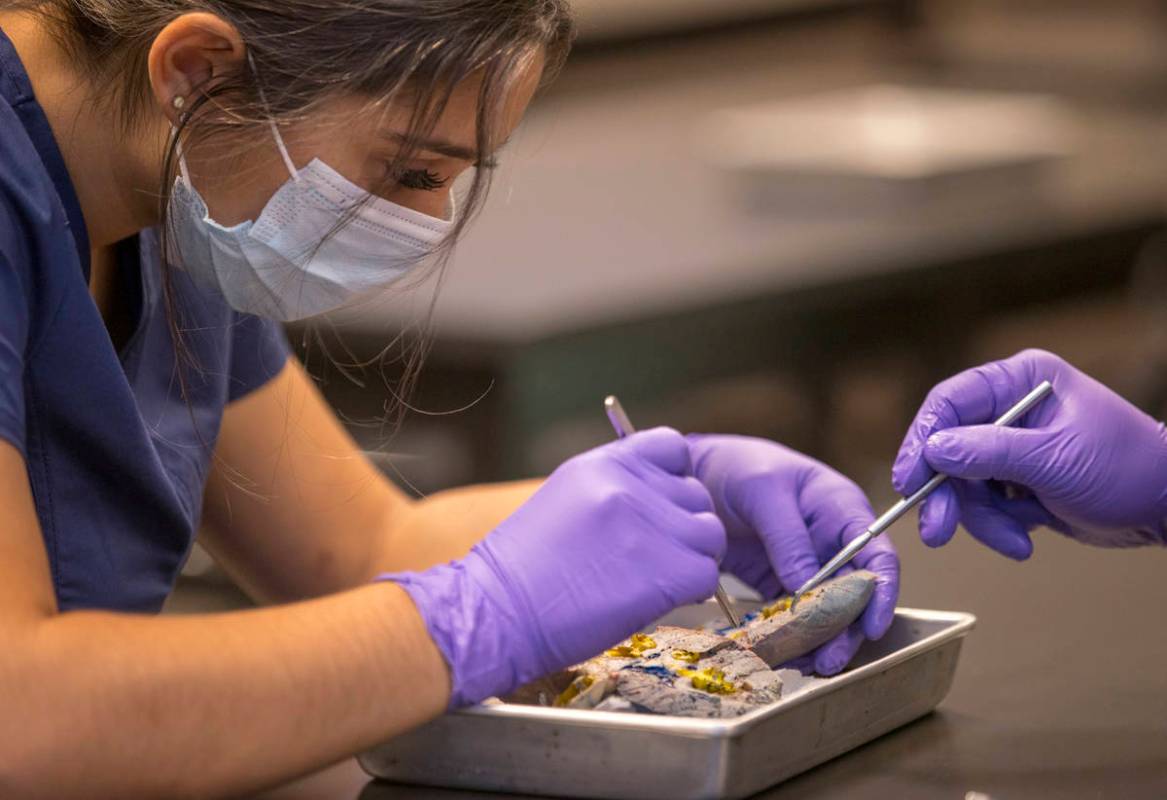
{"x": 577, "y": 687}
{"x": 711, "y": 680}
{"x": 638, "y": 645}
{"x": 783, "y": 604}
{"x": 688, "y": 656}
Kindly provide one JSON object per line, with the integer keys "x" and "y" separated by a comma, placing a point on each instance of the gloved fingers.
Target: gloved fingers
{"x": 973, "y": 397}
{"x": 963, "y": 399}
{"x": 880, "y": 557}
{"x": 702, "y": 533}
{"x": 664, "y": 448}
{"x": 691, "y": 578}
{"x": 835, "y": 510}
{"x": 767, "y": 585}
{"x": 834, "y": 656}
{"x": 989, "y": 452}
{"x": 774, "y": 517}
{"x": 990, "y": 525}
{"x": 1028, "y": 511}
{"x": 747, "y": 560}
{"x": 939, "y": 516}
{"x": 686, "y": 493}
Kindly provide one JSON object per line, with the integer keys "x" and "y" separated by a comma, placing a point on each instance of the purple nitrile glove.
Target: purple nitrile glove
{"x": 1084, "y": 462}
{"x": 613, "y": 540}
{"x": 786, "y": 515}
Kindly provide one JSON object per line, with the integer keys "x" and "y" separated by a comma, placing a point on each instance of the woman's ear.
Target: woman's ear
{"x": 188, "y": 56}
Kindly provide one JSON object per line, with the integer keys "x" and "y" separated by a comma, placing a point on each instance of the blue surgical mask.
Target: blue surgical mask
{"x": 319, "y": 243}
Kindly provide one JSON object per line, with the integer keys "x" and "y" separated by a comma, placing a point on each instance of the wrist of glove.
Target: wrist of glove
{"x": 471, "y": 617}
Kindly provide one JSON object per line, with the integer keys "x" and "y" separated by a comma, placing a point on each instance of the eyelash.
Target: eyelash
{"x": 422, "y": 180}
{"x": 425, "y": 180}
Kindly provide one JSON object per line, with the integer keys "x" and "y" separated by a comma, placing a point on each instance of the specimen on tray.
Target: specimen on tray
{"x": 707, "y": 673}
{"x": 697, "y": 674}
{"x": 778, "y": 635}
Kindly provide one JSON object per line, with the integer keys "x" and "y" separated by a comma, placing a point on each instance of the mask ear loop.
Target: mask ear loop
{"x": 179, "y": 103}
{"x": 182, "y": 170}
{"x": 272, "y": 123}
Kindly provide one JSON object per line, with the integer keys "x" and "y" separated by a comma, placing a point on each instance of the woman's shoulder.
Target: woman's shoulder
{"x": 25, "y": 196}
{"x": 29, "y": 206}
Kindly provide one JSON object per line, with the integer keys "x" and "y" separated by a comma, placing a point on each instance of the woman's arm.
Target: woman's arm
{"x": 293, "y": 509}
{"x": 445, "y": 525}
{"x": 198, "y": 705}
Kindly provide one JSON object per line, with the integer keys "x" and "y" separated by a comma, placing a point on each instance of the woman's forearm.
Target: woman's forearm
{"x": 211, "y": 705}
{"x": 294, "y": 509}
{"x": 445, "y": 525}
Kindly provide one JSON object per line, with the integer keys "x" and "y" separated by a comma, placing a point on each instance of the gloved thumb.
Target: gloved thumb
{"x": 989, "y": 452}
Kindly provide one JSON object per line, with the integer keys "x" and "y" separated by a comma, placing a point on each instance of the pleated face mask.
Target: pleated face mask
{"x": 319, "y": 243}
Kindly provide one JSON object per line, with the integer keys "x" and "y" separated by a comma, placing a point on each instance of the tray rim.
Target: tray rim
{"x": 960, "y": 624}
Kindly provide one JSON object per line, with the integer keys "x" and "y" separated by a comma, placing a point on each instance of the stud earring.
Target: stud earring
{"x": 179, "y": 102}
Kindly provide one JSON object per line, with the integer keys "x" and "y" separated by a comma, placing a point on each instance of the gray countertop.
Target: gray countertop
{"x": 1061, "y": 691}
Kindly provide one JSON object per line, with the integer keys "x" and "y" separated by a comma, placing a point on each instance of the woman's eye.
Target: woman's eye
{"x": 422, "y": 180}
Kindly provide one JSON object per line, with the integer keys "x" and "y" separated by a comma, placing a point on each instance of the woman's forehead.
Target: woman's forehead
{"x": 454, "y": 133}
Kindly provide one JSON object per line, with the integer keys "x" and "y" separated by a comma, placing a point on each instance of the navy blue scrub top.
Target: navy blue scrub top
{"x": 116, "y": 466}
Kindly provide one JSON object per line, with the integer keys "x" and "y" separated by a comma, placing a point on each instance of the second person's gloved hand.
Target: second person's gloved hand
{"x": 613, "y": 540}
{"x": 1084, "y": 462}
{"x": 786, "y": 515}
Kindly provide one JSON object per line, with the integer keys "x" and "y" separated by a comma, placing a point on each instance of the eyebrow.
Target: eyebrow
{"x": 441, "y": 146}
{"x": 444, "y": 147}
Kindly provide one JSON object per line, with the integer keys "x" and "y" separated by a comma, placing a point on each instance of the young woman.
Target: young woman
{"x": 178, "y": 176}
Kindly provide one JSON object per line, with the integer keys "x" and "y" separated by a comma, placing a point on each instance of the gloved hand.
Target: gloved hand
{"x": 1084, "y": 461}
{"x": 786, "y": 515}
{"x": 613, "y": 540}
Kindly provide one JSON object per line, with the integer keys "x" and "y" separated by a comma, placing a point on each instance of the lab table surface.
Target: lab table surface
{"x": 1061, "y": 691}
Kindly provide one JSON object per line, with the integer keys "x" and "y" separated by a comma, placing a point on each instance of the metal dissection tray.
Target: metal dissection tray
{"x": 575, "y": 753}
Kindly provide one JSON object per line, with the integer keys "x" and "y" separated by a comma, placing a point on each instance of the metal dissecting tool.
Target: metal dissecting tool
{"x": 908, "y": 503}
{"x": 623, "y": 427}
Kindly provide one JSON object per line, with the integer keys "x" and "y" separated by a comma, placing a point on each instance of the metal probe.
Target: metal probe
{"x": 623, "y": 427}
{"x": 908, "y": 503}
